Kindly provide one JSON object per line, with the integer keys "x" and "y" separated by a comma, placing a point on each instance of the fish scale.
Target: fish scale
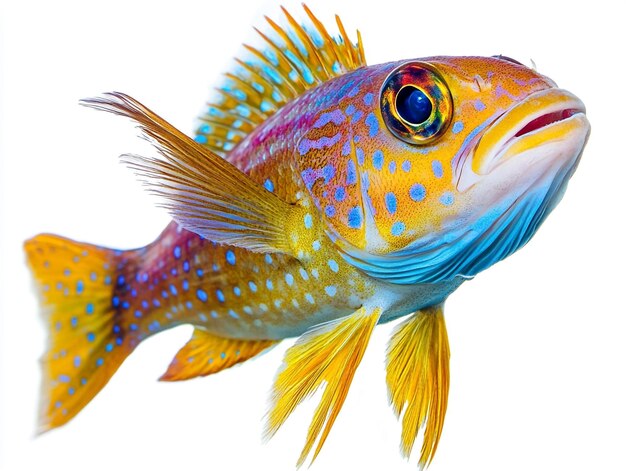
{"x": 318, "y": 198}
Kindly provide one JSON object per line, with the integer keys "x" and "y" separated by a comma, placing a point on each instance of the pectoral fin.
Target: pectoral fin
{"x": 206, "y": 354}
{"x": 418, "y": 378}
{"x": 203, "y": 192}
{"x": 327, "y": 355}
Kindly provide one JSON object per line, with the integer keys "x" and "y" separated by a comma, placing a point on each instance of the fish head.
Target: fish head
{"x": 430, "y": 169}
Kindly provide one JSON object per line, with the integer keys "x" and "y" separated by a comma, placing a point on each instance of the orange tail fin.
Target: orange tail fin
{"x": 87, "y": 341}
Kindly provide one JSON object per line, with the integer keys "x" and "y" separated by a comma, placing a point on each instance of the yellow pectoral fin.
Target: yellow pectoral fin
{"x": 328, "y": 354}
{"x": 203, "y": 192}
{"x": 206, "y": 354}
{"x": 418, "y": 378}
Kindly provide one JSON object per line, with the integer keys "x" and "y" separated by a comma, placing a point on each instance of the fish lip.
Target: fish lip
{"x": 536, "y": 115}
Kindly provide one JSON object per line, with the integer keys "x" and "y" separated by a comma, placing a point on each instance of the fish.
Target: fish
{"x": 318, "y": 197}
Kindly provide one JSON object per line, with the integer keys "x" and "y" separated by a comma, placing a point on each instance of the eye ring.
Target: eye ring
{"x": 415, "y": 103}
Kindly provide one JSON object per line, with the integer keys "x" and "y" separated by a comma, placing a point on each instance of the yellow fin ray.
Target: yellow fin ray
{"x": 204, "y": 193}
{"x": 326, "y": 355}
{"x": 289, "y": 61}
{"x": 418, "y": 379}
{"x": 205, "y": 354}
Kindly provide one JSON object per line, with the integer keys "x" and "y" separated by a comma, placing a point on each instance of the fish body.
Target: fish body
{"x": 321, "y": 197}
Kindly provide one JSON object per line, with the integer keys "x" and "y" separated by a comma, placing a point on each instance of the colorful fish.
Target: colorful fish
{"x": 319, "y": 198}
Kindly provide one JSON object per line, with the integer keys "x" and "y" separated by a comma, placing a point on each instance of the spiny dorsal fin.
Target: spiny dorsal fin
{"x": 203, "y": 192}
{"x": 206, "y": 354}
{"x": 290, "y": 61}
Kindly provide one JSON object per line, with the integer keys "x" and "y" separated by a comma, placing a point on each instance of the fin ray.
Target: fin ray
{"x": 326, "y": 355}
{"x": 289, "y": 61}
{"x": 205, "y": 354}
{"x": 418, "y": 379}
{"x": 204, "y": 193}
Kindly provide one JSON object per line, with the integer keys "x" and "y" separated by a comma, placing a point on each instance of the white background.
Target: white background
{"x": 538, "y": 341}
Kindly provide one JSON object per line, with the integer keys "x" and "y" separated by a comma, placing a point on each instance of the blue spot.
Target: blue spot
{"x": 289, "y": 279}
{"x": 119, "y": 341}
{"x": 64, "y": 378}
{"x": 89, "y": 308}
{"x": 397, "y": 228}
{"x": 457, "y": 127}
{"x": 145, "y": 304}
{"x": 76, "y": 361}
{"x": 120, "y": 280}
{"x": 437, "y": 168}
{"x": 202, "y": 296}
{"x": 116, "y": 329}
{"x": 237, "y": 291}
{"x": 91, "y": 337}
{"x": 391, "y": 202}
{"x": 125, "y": 305}
{"x": 350, "y": 109}
{"x": 447, "y": 198}
{"x": 252, "y": 286}
{"x": 372, "y": 122}
{"x": 189, "y": 304}
{"x": 173, "y": 290}
{"x": 360, "y": 156}
{"x": 57, "y": 404}
{"x": 79, "y": 287}
{"x": 269, "y": 284}
{"x": 316, "y": 245}
{"x": 330, "y": 211}
{"x": 156, "y": 302}
{"x": 186, "y": 266}
{"x": 340, "y": 193}
{"x": 71, "y": 391}
{"x": 83, "y": 381}
{"x": 392, "y": 166}
{"x": 333, "y": 265}
{"x": 308, "y": 221}
{"x": 331, "y": 290}
{"x": 269, "y": 185}
{"x": 99, "y": 362}
{"x": 185, "y": 285}
{"x": 133, "y": 327}
{"x": 406, "y": 166}
{"x": 230, "y": 257}
{"x": 220, "y": 295}
{"x": 67, "y": 272}
{"x": 93, "y": 276}
{"x": 479, "y": 105}
{"x": 351, "y": 173}
{"x": 309, "y": 298}
{"x": 378, "y": 159}
{"x": 268, "y": 259}
{"x": 200, "y": 139}
{"x": 138, "y": 314}
{"x": 74, "y": 321}
{"x": 233, "y": 314}
{"x": 368, "y": 98}
{"x": 107, "y": 280}
{"x": 109, "y": 347}
{"x": 355, "y": 218}
{"x": 177, "y": 252}
{"x": 199, "y": 272}
{"x": 328, "y": 172}
{"x": 417, "y": 192}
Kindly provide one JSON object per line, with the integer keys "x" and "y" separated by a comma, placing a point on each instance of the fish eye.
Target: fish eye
{"x": 416, "y": 103}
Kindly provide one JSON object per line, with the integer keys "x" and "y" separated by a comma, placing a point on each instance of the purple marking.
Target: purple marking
{"x": 351, "y": 173}
{"x": 372, "y": 122}
{"x": 307, "y": 144}
{"x": 360, "y": 156}
{"x": 479, "y": 105}
{"x": 335, "y": 116}
{"x": 347, "y": 148}
{"x": 368, "y": 99}
{"x": 328, "y": 172}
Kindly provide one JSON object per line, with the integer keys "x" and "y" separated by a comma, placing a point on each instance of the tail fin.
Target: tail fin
{"x": 87, "y": 342}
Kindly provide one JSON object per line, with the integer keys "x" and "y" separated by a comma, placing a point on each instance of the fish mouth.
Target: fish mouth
{"x": 549, "y": 120}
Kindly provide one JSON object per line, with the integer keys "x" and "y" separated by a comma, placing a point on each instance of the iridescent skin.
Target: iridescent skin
{"x": 303, "y": 154}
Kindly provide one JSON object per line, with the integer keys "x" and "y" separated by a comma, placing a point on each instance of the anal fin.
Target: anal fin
{"x": 205, "y": 354}
{"x": 418, "y": 379}
{"x": 326, "y": 355}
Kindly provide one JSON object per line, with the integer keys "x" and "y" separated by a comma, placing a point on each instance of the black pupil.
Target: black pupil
{"x": 413, "y": 105}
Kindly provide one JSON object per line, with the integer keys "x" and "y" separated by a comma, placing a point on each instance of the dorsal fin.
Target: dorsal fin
{"x": 291, "y": 60}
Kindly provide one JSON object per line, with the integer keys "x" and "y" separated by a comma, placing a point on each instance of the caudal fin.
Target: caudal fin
{"x": 87, "y": 343}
